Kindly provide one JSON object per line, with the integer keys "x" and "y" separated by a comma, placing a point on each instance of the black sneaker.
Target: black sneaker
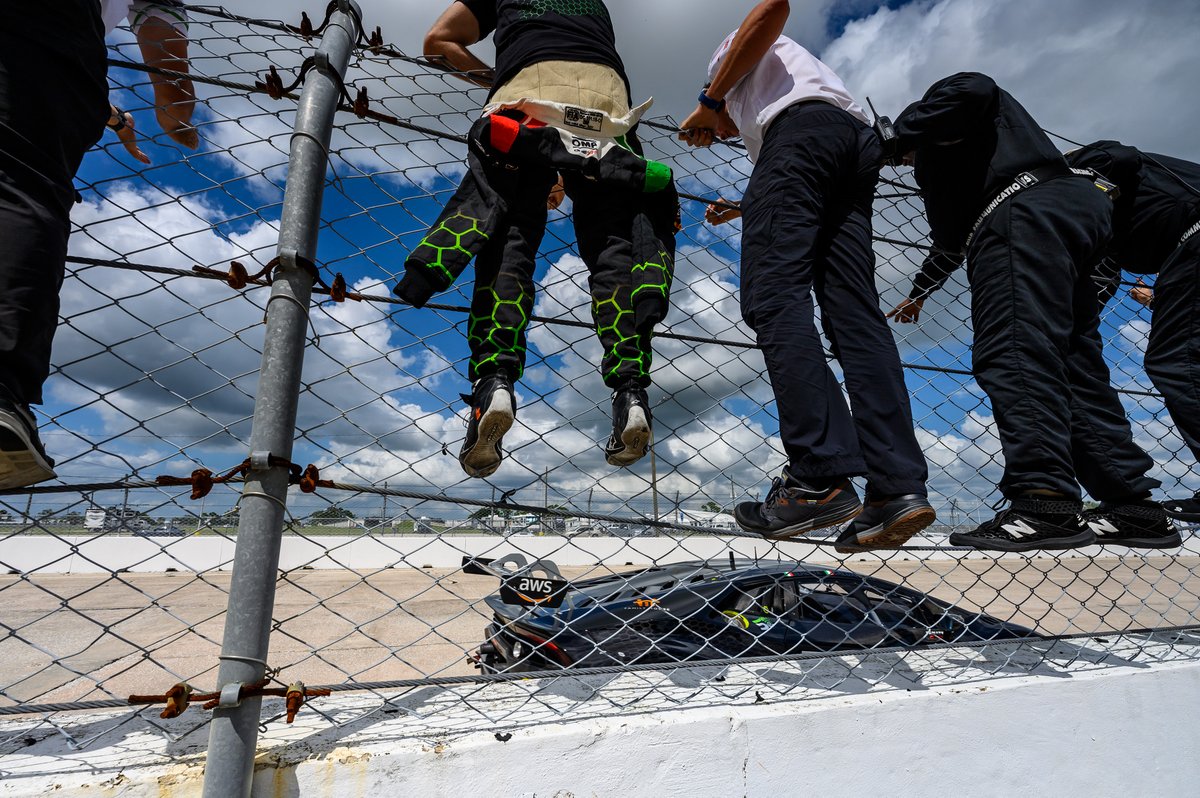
{"x": 493, "y": 409}
{"x": 793, "y": 508}
{"x": 886, "y": 524}
{"x": 1031, "y": 524}
{"x": 23, "y": 461}
{"x": 631, "y": 427}
{"x": 1186, "y": 510}
{"x": 1137, "y": 525}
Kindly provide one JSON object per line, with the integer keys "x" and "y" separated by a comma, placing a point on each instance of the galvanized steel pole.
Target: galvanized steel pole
{"x": 234, "y": 733}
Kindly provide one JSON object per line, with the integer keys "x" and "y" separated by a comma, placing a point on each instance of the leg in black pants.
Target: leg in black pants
{"x": 1173, "y": 354}
{"x": 808, "y": 225}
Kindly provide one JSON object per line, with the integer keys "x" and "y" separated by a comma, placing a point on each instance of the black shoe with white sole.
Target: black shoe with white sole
{"x": 493, "y": 410}
{"x": 794, "y": 508}
{"x": 1031, "y": 524}
{"x": 630, "y": 438}
{"x": 886, "y": 524}
{"x": 1186, "y": 510}
{"x": 1136, "y": 525}
{"x": 23, "y": 461}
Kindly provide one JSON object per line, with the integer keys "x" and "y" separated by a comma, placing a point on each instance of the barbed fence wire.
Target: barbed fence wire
{"x": 119, "y": 580}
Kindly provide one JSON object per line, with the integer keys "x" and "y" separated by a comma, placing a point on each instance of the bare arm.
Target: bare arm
{"x": 165, "y": 47}
{"x": 754, "y": 38}
{"x": 456, "y": 30}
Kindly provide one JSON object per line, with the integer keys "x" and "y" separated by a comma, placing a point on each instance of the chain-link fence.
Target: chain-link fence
{"x": 118, "y": 581}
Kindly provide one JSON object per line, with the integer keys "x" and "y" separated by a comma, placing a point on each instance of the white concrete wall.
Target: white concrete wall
{"x": 107, "y": 553}
{"x": 1080, "y": 729}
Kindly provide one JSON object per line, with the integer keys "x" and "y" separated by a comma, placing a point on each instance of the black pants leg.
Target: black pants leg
{"x": 504, "y": 290}
{"x": 807, "y": 226}
{"x": 52, "y": 109}
{"x": 1034, "y": 312}
{"x": 627, "y": 240}
{"x": 1173, "y": 353}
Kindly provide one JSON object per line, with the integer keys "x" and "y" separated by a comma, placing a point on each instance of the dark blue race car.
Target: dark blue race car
{"x": 716, "y": 610}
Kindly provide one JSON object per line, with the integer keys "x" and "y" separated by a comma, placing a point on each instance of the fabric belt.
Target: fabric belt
{"x": 1191, "y": 231}
{"x": 1020, "y": 183}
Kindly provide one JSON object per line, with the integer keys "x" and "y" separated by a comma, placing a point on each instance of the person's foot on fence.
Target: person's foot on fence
{"x": 493, "y": 410}
{"x": 793, "y": 507}
{"x": 1186, "y": 510}
{"x": 23, "y": 460}
{"x": 631, "y": 431}
{"x": 1137, "y": 525}
{"x": 886, "y": 524}
{"x": 1031, "y": 523}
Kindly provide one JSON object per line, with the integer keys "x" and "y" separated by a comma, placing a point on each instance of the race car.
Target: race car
{"x": 710, "y": 611}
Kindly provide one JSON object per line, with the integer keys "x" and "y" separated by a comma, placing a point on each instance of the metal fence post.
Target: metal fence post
{"x": 234, "y": 732}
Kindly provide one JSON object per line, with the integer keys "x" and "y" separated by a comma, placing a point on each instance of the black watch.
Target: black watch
{"x": 710, "y": 103}
{"x": 119, "y": 125}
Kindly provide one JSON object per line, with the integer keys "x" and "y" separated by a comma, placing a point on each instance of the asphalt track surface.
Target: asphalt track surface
{"x": 77, "y": 637}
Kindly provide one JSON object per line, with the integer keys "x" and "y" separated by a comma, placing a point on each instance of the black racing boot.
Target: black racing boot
{"x": 630, "y": 438}
{"x": 1186, "y": 510}
{"x": 23, "y": 460}
{"x": 1136, "y": 525}
{"x": 795, "y": 508}
{"x": 887, "y": 524}
{"x": 493, "y": 409}
{"x": 1031, "y": 523}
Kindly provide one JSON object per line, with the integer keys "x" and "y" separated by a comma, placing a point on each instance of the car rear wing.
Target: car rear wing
{"x": 524, "y": 583}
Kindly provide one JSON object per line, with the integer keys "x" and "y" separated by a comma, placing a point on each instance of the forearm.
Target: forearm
{"x": 457, "y": 57}
{"x": 934, "y": 273}
{"x": 754, "y": 38}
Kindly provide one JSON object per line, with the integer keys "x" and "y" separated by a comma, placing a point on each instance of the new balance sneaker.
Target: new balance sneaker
{"x": 493, "y": 409}
{"x": 630, "y": 438}
{"x": 1031, "y": 524}
{"x": 1137, "y": 525}
{"x": 23, "y": 461}
{"x": 886, "y": 524}
{"x": 1186, "y": 510}
{"x": 794, "y": 508}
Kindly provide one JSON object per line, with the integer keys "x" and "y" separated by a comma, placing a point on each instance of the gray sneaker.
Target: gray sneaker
{"x": 23, "y": 461}
{"x": 794, "y": 508}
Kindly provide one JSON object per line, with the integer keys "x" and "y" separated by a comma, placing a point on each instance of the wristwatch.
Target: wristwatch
{"x": 710, "y": 103}
{"x": 120, "y": 124}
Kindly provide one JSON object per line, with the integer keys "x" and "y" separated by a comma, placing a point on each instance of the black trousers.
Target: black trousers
{"x": 807, "y": 227}
{"x": 1038, "y": 353}
{"x": 1173, "y": 353}
{"x": 627, "y": 240}
{"x": 53, "y": 106}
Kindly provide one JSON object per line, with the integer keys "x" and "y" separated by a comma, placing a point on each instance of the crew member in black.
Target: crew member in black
{"x": 1156, "y": 230}
{"x": 560, "y": 52}
{"x": 1001, "y": 196}
{"x": 53, "y": 107}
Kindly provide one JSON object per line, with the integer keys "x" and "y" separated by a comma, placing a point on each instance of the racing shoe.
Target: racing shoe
{"x": 793, "y": 508}
{"x": 493, "y": 409}
{"x": 1137, "y": 525}
{"x": 1031, "y": 524}
{"x": 886, "y": 524}
{"x": 1186, "y": 510}
{"x": 631, "y": 427}
{"x": 23, "y": 461}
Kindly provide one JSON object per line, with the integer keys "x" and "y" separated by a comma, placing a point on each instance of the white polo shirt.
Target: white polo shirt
{"x": 138, "y": 11}
{"x": 786, "y": 75}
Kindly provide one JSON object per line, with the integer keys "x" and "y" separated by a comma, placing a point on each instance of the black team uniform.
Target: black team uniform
{"x": 1156, "y": 230}
{"x": 53, "y": 107}
{"x": 998, "y": 191}
{"x": 625, "y": 212}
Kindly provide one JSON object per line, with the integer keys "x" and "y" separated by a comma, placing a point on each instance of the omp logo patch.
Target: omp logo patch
{"x": 584, "y": 146}
{"x": 583, "y": 119}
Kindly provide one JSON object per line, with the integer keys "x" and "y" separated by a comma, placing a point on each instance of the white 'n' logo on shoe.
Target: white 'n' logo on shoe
{"x": 1020, "y": 530}
{"x": 1103, "y": 527}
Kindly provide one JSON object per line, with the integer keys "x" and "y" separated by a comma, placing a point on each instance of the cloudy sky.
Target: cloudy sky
{"x": 157, "y": 375}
